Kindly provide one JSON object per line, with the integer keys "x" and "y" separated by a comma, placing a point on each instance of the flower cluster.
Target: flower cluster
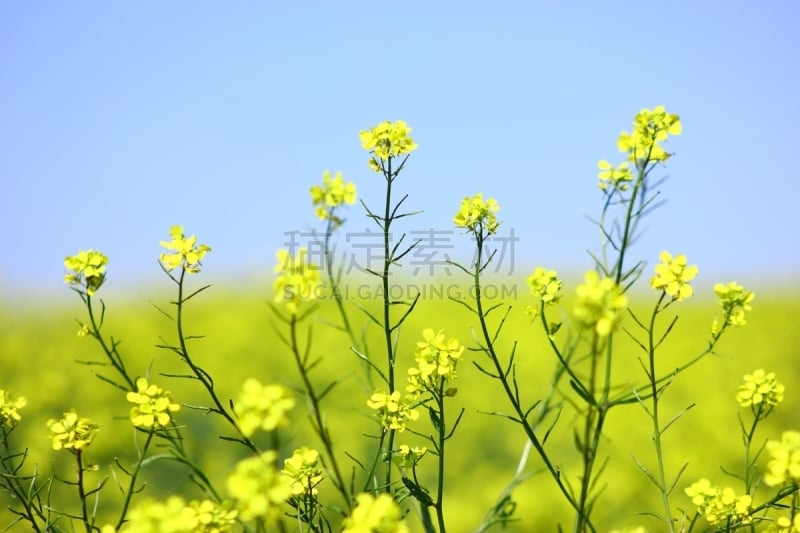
{"x": 9, "y": 409}
{"x": 258, "y": 488}
{"x": 650, "y": 127}
{"x": 333, "y": 193}
{"x": 72, "y": 432}
{"x": 617, "y": 178}
{"x": 735, "y": 303}
{"x": 375, "y": 515}
{"x": 302, "y": 471}
{"x": 784, "y": 464}
{"x": 187, "y": 253}
{"x": 720, "y": 506}
{"x": 436, "y": 361}
{"x": 408, "y": 457}
{"x": 262, "y": 407}
{"x": 153, "y": 406}
{"x": 478, "y": 215}
{"x": 393, "y": 409}
{"x": 545, "y": 285}
{"x": 673, "y": 276}
{"x": 297, "y": 279}
{"x": 784, "y": 524}
{"x": 87, "y": 270}
{"x": 386, "y": 140}
{"x": 176, "y": 516}
{"x": 600, "y": 304}
{"x": 760, "y": 387}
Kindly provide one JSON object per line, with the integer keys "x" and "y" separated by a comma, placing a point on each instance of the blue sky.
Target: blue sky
{"x": 119, "y": 119}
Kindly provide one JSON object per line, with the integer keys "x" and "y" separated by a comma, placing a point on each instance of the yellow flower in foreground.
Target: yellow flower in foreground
{"x": 175, "y": 516}
{"x": 375, "y": 515}
{"x": 784, "y": 464}
{"x": 187, "y": 253}
{"x": 600, "y": 304}
{"x": 545, "y": 284}
{"x": 720, "y": 506}
{"x": 297, "y": 280}
{"x": 478, "y": 215}
{"x": 387, "y": 139}
{"x": 262, "y": 407}
{"x": 615, "y": 177}
{"x": 393, "y": 409}
{"x": 673, "y": 276}
{"x": 258, "y": 488}
{"x": 436, "y": 360}
{"x": 9, "y": 409}
{"x": 760, "y": 387}
{"x": 72, "y": 432}
{"x": 333, "y": 193}
{"x": 785, "y": 524}
{"x": 87, "y": 270}
{"x": 302, "y": 471}
{"x": 153, "y": 406}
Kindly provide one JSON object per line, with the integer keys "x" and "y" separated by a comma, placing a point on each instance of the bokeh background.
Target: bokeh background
{"x": 120, "y": 120}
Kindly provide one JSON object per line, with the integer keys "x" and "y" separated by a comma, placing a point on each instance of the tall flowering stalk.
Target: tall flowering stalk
{"x": 390, "y": 145}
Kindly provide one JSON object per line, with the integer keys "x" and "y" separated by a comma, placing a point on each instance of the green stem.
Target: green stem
{"x": 317, "y": 421}
{"x": 82, "y": 492}
{"x": 387, "y": 327}
{"x": 132, "y": 485}
{"x": 441, "y": 445}
{"x": 111, "y": 352}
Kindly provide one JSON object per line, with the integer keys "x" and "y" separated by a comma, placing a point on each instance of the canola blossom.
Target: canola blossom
{"x": 408, "y": 457}
{"x": 9, "y": 409}
{"x": 650, "y": 128}
{"x": 394, "y": 410}
{"x": 333, "y": 193}
{"x": 385, "y": 141}
{"x": 784, "y": 463}
{"x": 262, "y": 407}
{"x": 375, "y": 515}
{"x": 758, "y": 388}
{"x": 545, "y": 285}
{"x": 600, "y": 304}
{"x": 297, "y": 280}
{"x": 436, "y": 359}
{"x": 477, "y": 215}
{"x": 153, "y": 406}
{"x": 720, "y": 506}
{"x": 87, "y": 271}
{"x": 71, "y": 432}
{"x": 303, "y": 471}
{"x": 735, "y": 302}
{"x": 174, "y": 515}
{"x": 672, "y": 275}
{"x": 186, "y": 253}
{"x": 258, "y": 488}
{"x": 614, "y": 177}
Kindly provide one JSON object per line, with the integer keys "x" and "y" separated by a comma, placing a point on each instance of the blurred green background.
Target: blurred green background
{"x": 39, "y": 347}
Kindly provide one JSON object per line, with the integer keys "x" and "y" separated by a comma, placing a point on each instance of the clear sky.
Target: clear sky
{"x": 119, "y": 119}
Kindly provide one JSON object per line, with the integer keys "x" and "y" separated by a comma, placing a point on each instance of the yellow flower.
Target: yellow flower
{"x": 784, "y": 464}
{"x": 262, "y": 407}
{"x": 333, "y": 193}
{"x": 546, "y": 285}
{"x": 387, "y": 140}
{"x": 9, "y": 409}
{"x": 175, "y": 516}
{"x": 673, "y": 276}
{"x": 720, "y": 506}
{"x": 297, "y": 280}
{"x": 436, "y": 360}
{"x": 760, "y": 387}
{"x": 478, "y": 215}
{"x": 153, "y": 406}
{"x": 257, "y": 487}
{"x": 784, "y": 524}
{"x": 615, "y": 177}
{"x": 735, "y": 303}
{"x": 600, "y": 304}
{"x": 393, "y": 409}
{"x": 408, "y": 457}
{"x": 302, "y": 471}
{"x": 375, "y": 515}
{"x": 187, "y": 253}
{"x": 72, "y": 432}
{"x": 650, "y": 127}
{"x": 87, "y": 270}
